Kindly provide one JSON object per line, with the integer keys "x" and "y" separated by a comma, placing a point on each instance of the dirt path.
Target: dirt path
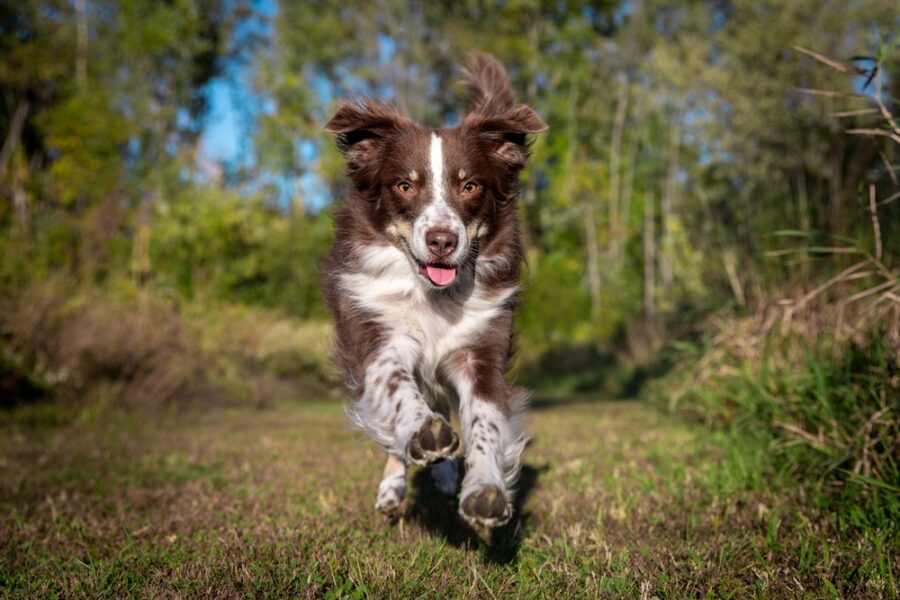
{"x": 616, "y": 501}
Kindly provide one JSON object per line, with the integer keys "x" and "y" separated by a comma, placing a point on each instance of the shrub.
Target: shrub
{"x": 827, "y": 409}
{"x": 127, "y": 338}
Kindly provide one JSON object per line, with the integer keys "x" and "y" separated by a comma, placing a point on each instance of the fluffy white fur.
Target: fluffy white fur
{"x": 392, "y": 487}
{"x": 425, "y": 325}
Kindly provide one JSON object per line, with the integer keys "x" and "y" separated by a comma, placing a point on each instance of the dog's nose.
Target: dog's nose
{"x": 441, "y": 243}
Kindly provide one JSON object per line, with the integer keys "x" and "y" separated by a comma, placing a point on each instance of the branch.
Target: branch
{"x": 834, "y": 64}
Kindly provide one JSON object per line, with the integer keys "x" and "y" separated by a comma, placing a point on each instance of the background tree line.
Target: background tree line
{"x": 683, "y": 151}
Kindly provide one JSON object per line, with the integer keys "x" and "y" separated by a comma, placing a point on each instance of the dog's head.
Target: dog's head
{"x": 438, "y": 192}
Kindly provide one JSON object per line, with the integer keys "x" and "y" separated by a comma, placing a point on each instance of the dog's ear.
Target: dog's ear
{"x": 360, "y": 130}
{"x": 488, "y": 85}
{"x": 507, "y": 132}
{"x": 494, "y": 114}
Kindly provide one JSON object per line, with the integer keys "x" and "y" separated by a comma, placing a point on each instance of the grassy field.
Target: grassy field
{"x": 616, "y": 500}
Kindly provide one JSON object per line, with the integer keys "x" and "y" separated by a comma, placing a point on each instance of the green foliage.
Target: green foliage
{"x": 211, "y": 245}
{"x": 555, "y": 297}
{"x": 89, "y": 135}
{"x": 678, "y": 141}
{"x": 828, "y": 421}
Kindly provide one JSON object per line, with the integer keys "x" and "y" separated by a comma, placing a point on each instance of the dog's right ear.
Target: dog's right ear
{"x": 360, "y": 131}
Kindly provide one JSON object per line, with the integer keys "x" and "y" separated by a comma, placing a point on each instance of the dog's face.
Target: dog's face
{"x": 435, "y": 193}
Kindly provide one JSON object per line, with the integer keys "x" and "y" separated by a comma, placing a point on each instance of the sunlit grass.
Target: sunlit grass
{"x": 617, "y": 501}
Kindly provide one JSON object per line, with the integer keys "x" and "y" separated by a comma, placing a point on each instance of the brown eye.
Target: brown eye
{"x": 470, "y": 187}
{"x": 404, "y": 187}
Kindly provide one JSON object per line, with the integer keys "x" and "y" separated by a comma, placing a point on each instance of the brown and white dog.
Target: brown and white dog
{"x": 422, "y": 282}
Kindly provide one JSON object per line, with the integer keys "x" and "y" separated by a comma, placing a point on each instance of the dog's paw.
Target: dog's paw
{"x": 390, "y": 503}
{"x": 486, "y": 507}
{"x": 435, "y": 441}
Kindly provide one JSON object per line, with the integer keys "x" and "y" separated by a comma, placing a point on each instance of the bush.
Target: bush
{"x": 137, "y": 349}
{"x": 212, "y": 245}
{"x": 827, "y": 410}
{"x": 82, "y": 337}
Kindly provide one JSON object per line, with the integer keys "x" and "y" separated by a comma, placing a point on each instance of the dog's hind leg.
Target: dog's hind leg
{"x": 392, "y": 488}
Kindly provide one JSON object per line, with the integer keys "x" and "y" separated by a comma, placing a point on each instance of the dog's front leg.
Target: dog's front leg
{"x": 394, "y": 413}
{"x": 493, "y": 435}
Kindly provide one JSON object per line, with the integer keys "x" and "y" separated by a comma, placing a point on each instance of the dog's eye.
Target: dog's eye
{"x": 404, "y": 187}
{"x": 470, "y": 187}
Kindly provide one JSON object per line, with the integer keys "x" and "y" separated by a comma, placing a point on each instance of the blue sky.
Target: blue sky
{"x": 228, "y": 132}
{"x": 232, "y": 104}
{"x": 219, "y": 140}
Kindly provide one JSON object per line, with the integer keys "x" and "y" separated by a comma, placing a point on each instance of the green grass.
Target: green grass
{"x": 616, "y": 500}
{"x": 827, "y": 420}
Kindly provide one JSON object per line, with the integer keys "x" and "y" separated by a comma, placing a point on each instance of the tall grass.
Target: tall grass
{"x": 133, "y": 347}
{"x": 815, "y": 379}
{"x": 827, "y": 412}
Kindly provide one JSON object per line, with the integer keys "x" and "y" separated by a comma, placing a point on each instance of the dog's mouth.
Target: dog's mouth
{"x": 438, "y": 274}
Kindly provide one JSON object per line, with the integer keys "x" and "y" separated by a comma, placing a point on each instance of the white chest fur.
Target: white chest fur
{"x": 432, "y": 322}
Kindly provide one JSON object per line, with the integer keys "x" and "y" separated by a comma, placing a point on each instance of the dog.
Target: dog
{"x": 422, "y": 281}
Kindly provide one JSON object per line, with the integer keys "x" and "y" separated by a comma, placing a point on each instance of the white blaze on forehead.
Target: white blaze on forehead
{"x": 437, "y": 169}
{"x": 438, "y": 213}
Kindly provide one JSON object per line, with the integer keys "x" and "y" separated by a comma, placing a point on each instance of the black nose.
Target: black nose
{"x": 441, "y": 243}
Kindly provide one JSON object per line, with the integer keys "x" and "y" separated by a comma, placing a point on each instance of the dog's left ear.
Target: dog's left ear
{"x": 508, "y": 132}
{"x": 361, "y": 130}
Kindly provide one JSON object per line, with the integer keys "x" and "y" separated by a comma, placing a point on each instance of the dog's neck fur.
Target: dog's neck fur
{"x": 386, "y": 287}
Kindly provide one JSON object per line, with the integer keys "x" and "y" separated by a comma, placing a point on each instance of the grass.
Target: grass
{"x": 827, "y": 417}
{"x": 616, "y": 500}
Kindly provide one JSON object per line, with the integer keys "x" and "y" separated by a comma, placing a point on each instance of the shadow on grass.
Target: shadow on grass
{"x": 437, "y": 513}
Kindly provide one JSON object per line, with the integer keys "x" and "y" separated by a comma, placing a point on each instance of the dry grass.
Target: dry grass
{"x": 616, "y": 502}
{"x": 83, "y": 338}
{"x": 134, "y": 348}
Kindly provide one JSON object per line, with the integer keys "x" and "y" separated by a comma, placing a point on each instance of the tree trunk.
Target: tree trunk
{"x": 140, "y": 247}
{"x": 615, "y": 163}
{"x": 666, "y": 271}
{"x": 803, "y": 220}
{"x": 649, "y": 256}
{"x": 592, "y": 245}
{"x": 14, "y": 136}
{"x": 593, "y": 256}
{"x": 730, "y": 262}
{"x": 81, "y": 50}
{"x": 627, "y": 190}
{"x": 20, "y": 204}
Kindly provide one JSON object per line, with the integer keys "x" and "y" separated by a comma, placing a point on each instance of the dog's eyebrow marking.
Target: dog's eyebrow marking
{"x": 437, "y": 169}
{"x": 413, "y": 175}
{"x": 462, "y": 174}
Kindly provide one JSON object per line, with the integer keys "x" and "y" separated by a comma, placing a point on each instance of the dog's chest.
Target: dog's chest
{"x": 436, "y": 324}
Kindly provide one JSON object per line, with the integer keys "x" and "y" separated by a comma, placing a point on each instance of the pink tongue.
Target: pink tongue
{"x": 440, "y": 275}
